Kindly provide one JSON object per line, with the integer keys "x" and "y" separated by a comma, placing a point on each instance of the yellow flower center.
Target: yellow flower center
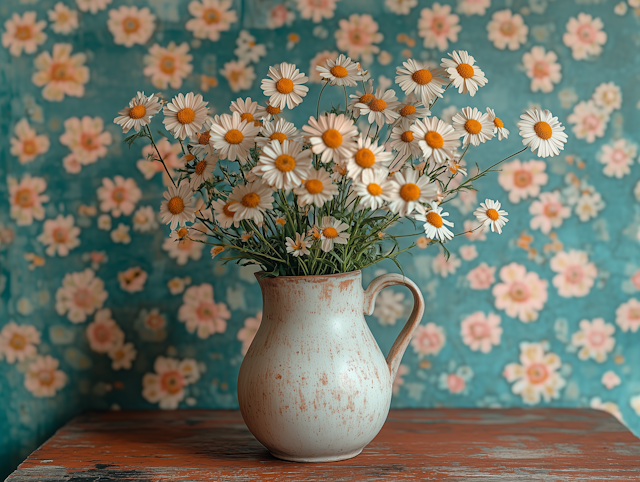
{"x": 330, "y": 232}
{"x": 18, "y": 342}
{"x": 543, "y": 130}
{"x": 137, "y": 112}
{"x": 29, "y": 147}
{"x": 211, "y": 15}
{"x": 434, "y": 140}
{"x": 272, "y": 110}
{"x": 216, "y": 251}
{"x": 130, "y": 24}
{"x": 23, "y": 32}
{"x": 281, "y": 221}
{"x": 234, "y": 136}
{"x": 407, "y": 136}
{"x": 374, "y": 189}
{"x": 366, "y": 98}
{"x": 167, "y": 64}
{"x": 465, "y": 71}
{"x": 23, "y": 198}
{"x": 314, "y": 186}
{"x": 422, "y": 76}
{"x": 247, "y": 117}
{"x": 204, "y": 138}
{"x": 365, "y": 158}
{"x": 250, "y": 200}
{"x": 498, "y": 123}
{"x": 278, "y": 136}
{"x": 285, "y": 163}
{"x": 226, "y": 211}
{"x": 339, "y": 71}
{"x": 200, "y": 167}
{"x": 186, "y": 115}
{"x": 182, "y": 232}
{"x": 408, "y": 109}
{"x": 332, "y": 138}
{"x": 284, "y": 86}
{"x": 492, "y": 214}
{"x": 434, "y": 219}
{"x": 175, "y": 205}
{"x": 377, "y": 105}
{"x": 472, "y": 126}
{"x": 409, "y": 192}
{"x": 60, "y": 72}
{"x": 60, "y": 235}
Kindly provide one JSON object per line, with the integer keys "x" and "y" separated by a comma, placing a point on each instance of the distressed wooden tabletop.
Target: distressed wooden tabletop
{"x": 439, "y": 444}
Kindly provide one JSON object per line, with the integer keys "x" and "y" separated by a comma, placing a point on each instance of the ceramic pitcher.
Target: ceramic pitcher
{"x": 314, "y": 385}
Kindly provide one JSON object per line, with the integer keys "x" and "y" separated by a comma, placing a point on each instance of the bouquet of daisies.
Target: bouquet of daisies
{"x": 322, "y": 199}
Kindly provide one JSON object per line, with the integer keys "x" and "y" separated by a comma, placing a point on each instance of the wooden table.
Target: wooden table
{"x": 452, "y": 444}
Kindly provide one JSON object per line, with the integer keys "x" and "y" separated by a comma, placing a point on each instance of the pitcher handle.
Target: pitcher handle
{"x": 402, "y": 342}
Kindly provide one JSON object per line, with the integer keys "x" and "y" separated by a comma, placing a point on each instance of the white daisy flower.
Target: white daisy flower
{"x": 280, "y": 130}
{"x": 223, "y": 215}
{"x": 332, "y": 136}
{"x": 541, "y": 131}
{"x": 435, "y": 226}
{"x": 373, "y": 188}
{"x": 283, "y": 166}
{"x": 247, "y": 109}
{"x": 361, "y": 98}
{"x": 139, "y": 113}
{"x": 409, "y": 190}
{"x": 411, "y": 109}
{"x": 437, "y": 139}
{"x": 456, "y": 167}
{"x": 201, "y": 144}
{"x": 404, "y": 143}
{"x": 416, "y": 77}
{"x": 202, "y": 170}
{"x": 178, "y": 209}
{"x": 317, "y": 189}
{"x": 498, "y": 126}
{"x": 382, "y": 108}
{"x": 233, "y": 137}
{"x": 473, "y": 126}
{"x": 341, "y": 71}
{"x": 332, "y": 231}
{"x": 490, "y": 214}
{"x": 268, "y": 112}
{"x": 252, "y": 200}
{"x": 285, "y": 87}
{"x": 369, "y": 155}
{"x": 299, "y": 247}
{"x": 185, "y": 115}
{"x": 466, "y": 76}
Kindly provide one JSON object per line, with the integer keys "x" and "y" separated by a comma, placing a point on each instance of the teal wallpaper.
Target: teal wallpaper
{"x": 97, "y": 302}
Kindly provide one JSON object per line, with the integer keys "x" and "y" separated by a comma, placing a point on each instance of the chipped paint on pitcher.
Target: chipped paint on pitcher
{"x": 314, "y": 385}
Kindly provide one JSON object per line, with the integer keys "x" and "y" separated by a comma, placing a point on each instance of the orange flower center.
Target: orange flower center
{"x": 247, "y": 117}
{"x": 130, "y": 24}
{"x": 409, "y": 192}
{"x": 175, "y": 205}
{"x": 332, "y": 138}
{"x": 59, "y": 235}
{"x": 434, "y": 140}
{"x": 374, "y": 189}
{"x": 365, "y": 158}
{"x": 18, "y": 342}
{"x": 434, "y": 219}
{"x": 330, "y": 232}
{"x": 284, "y": 86}
{"x": 366, "y": 98}
{"x": 23, "y": 32}
{"x": 234, "y": 136}
{"x": 285, "y": 163}
{"x": 87, "y": 141}
{"x": 167, "y": 64}
{"x": 82, "y": 298}
{"x": 23, "y": 198}
{"x": 137, "y": 112}
{"x": 408, "y": 109}
{"x": 226, "y": 211}
{"x": 377, "y": 105}
{"x": 211, "y": 15}
{"x": 492, "y": 214}
{"x": 498, "y": 123}
{"x": 29, "y": 147}
{"x": 407, "y": 136}
{"x": 537, "y": 373}
{"x": 250, "y": 200}
{"x": 172, "y": 382}
{"x": 507, "y": 28}
{"x": 339, "y": 71}
{"x": 186, "y": 115}
{"x": 278, "y": 136}
{"x": 46, "y": 377}
{"x": 472, "y": 126}
{"x": 272, "y": 110}
{"x": 519, "y": 292}
{"x": 543, "y": 130}
{"x": 465, "y": 71}
{"x": 314, "y": 186}
{"x": 182, "y": 233}
{"x": 422, "y": 76}
{"x": 200, "y": 167}
{"x": 60, "y": 72}
{"x": 204, "y": 138}
{"x": 522, "y": 178}
{"x": 118, "y": 195}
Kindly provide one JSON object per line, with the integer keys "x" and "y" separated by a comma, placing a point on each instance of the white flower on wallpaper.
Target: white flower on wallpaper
{"x": 610, "y": 380}
{"x": 507, "y": 30}
{"x": 132, "y": 280}
{"x": 183, "y": 250}
{"x": 609, "y": 407}
{"x": 401, "y": 7}
{"x": 92, "y": 6}
{"x": 81, "y": 294}
{"x": 201, "y": 314}
{"x": 481, "y": 331}
{"x": 358, "y": 36}
{"x": 443, "y": 266}
{"x": 210, "y": 17}
{"x": 23, "y": 32}
{"x": 130, "y": 25}
{"x": 145, "y": 219}
{"x": 166, "y": 386}
{"x": 576, "y": 274}
{"x": 63, "y": 20}
{"x": 542, "y": 68}
{"x": 628, "y": 316}
{"x": 389, "y": 307}
{"x": 118, "y": 196}
{"x": 169, "y": 153}
{"x": 438, "y": 26}
{"x": 521, "y": 294}
{"x": 548, "y": 212}
{"x": 590, "y": 121}
{"x": 43, "y": 378}
{"x": 168, "y": 66}
{"x": 26, "y": 198}
{"x": 61, "y": 73}
{"x": 594, "y": 339}
{"x": 618, "y": 157}
{"x": 60, "y": 235}
{"x": 103, "y": 333}
{"x": 87, "y": 140}
{"x": 18, "y": 342}
{"x": 473, "y": 7}
{"x": 247, "y": 333}
{"x": 523, "y": 179}
{"x": 316, "y": 10}
{"x": 585, "y": 36}
{"x": 536, "y": 377}
{"x": 122, "y": 356}
{"x": 120, "y": 235}
{"x": 239, "y": 74}
{"x": 27, "y": 145}
{"x": 428, "y": 339}
{"x": 248, "y": 49}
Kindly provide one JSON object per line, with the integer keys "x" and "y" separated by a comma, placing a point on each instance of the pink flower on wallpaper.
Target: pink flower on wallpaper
{"x": 474, "y": 231}
{"x": 168, "y": 66}
{"x": 119, "y": 196}
{"x": 468, "y": 252}
{"x": 81, "y": 294}
{"x": 523, "y": 179}
{"x": 455, "y": 383}
{"x": 398, "y": 381}
{"x": 279, "y": 15}
{"x": 166, "y": 386}
{"x": 26, "y": 198}
{"x": 628, "y": 315}
{"x": 585, "y": 36}
{"x": 521, "y": 294}
{"x": 536, "y": 376}
{"x": 104, "y": 333}
{"x": 548, "y": 212}
{"x": 542, "y": 68}
{"x": 86, "y": 138}
{"x": 132, "y": 280}
{"x": 23, "y": 33}
{"x": 248, "y": 332}
{"x": 610, "y": 380}
{"x": 130, "y": 25}
{"x": 201, "y": 313}
{"x": 182, "y": 250}
{"x": 507, "y": 30}
{"x": 481, "y": 277}
{"x": 60, "y": 235}
{"x": 576, "y": 275}
{"x": 428, "y": 339}
{"x": 444, "y": 267}
{"x": 595, "y": 339}
{"x": 122, "y": 356}
{"x": 589, "y": 121}
{"x": 438, "y": 26}
{"x": 43, "y": 379}
{"x": 18, "y": 342}
{"x": 480, "y": 331}
{"x": 316, "y": 10}
{"x": 618, "y": 157}
{"x": 169, "y": 152}
{"x": 210, "y": 18}
{"x": 635, "y": 279}
{"x": 61, "y": 73}
{"x": 357, "y": 37}
{"x": 27, "y": 145}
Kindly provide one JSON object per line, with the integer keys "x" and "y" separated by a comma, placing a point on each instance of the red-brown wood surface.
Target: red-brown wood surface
{"x": 451, "y": 444}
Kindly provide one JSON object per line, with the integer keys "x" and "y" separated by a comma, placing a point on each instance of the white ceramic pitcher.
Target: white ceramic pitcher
{"x": 314, "y": 385}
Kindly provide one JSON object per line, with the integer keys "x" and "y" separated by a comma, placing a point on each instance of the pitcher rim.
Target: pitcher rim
{"x": 311, "y": 276}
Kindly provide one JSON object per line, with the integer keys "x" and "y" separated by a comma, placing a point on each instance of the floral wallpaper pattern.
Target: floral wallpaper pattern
{"x": 100, "y": 308}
